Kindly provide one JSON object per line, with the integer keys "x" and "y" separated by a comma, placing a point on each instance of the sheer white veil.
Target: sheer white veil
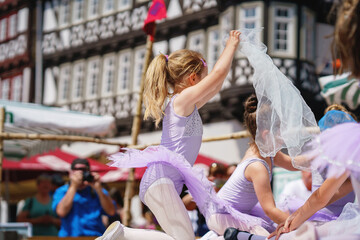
{"x": 282, "y": 115}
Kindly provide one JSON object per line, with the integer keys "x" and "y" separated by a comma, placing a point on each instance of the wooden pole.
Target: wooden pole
{"x": 53, "y": 137}
{"x": 129, "y": 189}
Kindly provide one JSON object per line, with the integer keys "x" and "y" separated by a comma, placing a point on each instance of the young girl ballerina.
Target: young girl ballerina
{"x": 183, "y": 77}
{"x": 250, "y": 182}
{"x": 337, "y": 149}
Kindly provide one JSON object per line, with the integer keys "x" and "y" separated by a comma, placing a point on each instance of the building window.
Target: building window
{"x": 108, "y": 75}
{"x": 196, "y": 41}
{"x": 213, "y": 47}
{"x": 12, "y": 26}
{"x": 124, "y": 4}
{"x": 3, "y": 29}
{"x": 16, "y": 88}
{"x": 23, "y": 20}
{"x": 307, "y": 35}
{"x": 108, "y": 6}
{"x": 284, "y": 29}
{"x": 78, "y": 11}
{"x": 64, "y": 15}
{"x": 250, "y": 15}
{"x": 64, "y": 83}
{"x": 124, "y": 72}
{"x": 93, "y": 70}
{"x": 77, "y": 81}
{"x": 5, "y": 89}
{"x": 138, "y": 67}
{"x": 93, "y": 8}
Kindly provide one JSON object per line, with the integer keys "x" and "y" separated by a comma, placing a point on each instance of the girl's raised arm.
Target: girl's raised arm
{"x": 199, "y": 93}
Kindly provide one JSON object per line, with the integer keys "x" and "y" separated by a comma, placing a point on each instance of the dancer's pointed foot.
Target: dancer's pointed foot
{"x": 113, "y": 232}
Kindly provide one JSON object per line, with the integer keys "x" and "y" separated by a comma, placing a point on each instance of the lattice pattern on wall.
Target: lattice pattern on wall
{"x": 110, "y": 26}
{"x": 308, "y": 79}
{"x": 244, "y": 72}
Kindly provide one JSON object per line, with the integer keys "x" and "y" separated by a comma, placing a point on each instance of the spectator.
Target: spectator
{"x": 299, "y": 189}
{"x": 217, "y": 175}
{"x": 81, "y": 202}
{"x": 230, "y": 169}
{"x": 119, "y": 209}
{"x": 56, "y": 182}
{"x": 37, "y": 210}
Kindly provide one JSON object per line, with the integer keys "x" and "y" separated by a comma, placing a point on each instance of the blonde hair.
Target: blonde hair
{"x": 339, "y": 107}
{"x": 346, "y": 38}
{"x": 167, "y": 73}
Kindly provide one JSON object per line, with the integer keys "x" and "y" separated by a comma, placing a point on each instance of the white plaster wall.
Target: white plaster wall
{"x": 323, "y": 51}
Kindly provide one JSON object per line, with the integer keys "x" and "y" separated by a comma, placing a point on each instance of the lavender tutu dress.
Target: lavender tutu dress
{"x": 240, "y": 193}
{"x": 173, "y": 160}
{"x": 338, "y": 150}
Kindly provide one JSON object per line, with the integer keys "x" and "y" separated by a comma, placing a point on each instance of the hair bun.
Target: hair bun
{"x": 251, "y": 104}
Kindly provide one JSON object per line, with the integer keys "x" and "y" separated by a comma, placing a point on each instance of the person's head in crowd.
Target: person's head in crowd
{"x": 217, "y": 175}
{"x": 230, "y": 169}
{"x": 116, "y": 196}
{"x": 56, "y": 181}
{"x": 43, "y": 183}
{"x": 81, "y": 166}
{"x": 339, "y": 107}
{"x": 333, "y": 118}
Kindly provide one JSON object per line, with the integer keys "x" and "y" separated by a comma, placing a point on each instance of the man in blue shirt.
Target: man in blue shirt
{"x": 81, "y": 202}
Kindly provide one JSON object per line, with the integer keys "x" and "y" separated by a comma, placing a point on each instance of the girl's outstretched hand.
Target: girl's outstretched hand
{"x": 283, "y": 227}
{"x": 234, "y": 38}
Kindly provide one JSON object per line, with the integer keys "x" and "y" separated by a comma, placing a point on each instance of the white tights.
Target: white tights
{"x": 219, "y": 222}
{"x": 165, "y": 203}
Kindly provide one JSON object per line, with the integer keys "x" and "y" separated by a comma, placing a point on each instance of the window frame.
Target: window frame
{"x": 107, "y": 87}
{"x": 105, "y": 11}
{"x": 77, "y": 80}
{"x": 16, "y": 88}
{"x": 213, "y": 55}
{"x": 64, "y": 85}
{"x": 5, "y": 88}
{"x": 65, "y": 13}
{"x": 12, "y": 27}
{"x": 90, "y": 7}
{"x": 138, "y": 67}
{"x": 202, "y": 41}
{"x": 291, "y": 28}
{"x": 128, "y": 65}
{"x": 3, "y": 29}
{"x": 90, "y": 72}
{"x": 121, "y": 7}
{"x": 307, "y": 49}
{"x": 76, "y": 9}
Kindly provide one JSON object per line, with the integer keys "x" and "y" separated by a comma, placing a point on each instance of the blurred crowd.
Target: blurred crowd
{"x": 82, "y": 191}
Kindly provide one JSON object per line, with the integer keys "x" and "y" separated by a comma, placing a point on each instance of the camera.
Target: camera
{"x": 87, "y": 176}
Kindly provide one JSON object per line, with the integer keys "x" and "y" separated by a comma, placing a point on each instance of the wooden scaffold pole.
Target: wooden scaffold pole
{"x": 129, "y": 188}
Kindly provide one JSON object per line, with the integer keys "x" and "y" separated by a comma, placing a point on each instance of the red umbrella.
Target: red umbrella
{"x": 60, "y": 161}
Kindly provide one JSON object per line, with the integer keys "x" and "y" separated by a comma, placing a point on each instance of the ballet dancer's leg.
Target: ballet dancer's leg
{"x": 165, "y": 203}
{"x": 220, "y": 222}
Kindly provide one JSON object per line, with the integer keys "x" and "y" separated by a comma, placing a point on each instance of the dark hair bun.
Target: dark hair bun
{"x": 251, "y": 104}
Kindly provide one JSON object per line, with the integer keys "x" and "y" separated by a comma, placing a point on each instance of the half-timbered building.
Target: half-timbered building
{"x": 17, "y": 50}
{"x": 93, "y": 55}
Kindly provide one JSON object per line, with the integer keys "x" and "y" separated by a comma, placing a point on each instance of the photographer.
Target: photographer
{"x": 81, "y": 202}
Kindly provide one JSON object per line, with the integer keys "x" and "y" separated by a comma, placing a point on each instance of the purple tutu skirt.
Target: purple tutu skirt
{"x": 291, "y": 204}
{"x": 338, "y": 150}
{"x": 178, "y": 170}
